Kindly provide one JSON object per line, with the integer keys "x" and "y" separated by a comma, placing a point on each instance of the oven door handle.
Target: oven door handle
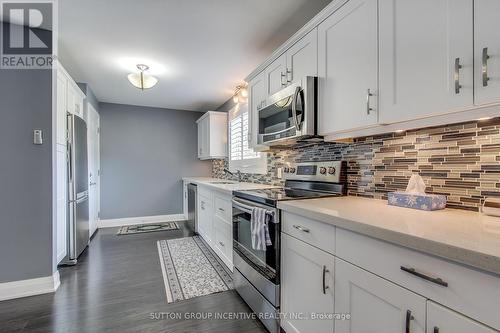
{"x": 242, "y": 207}
{"x": 294, "y": 108}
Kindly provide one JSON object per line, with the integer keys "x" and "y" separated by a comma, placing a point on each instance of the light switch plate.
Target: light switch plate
{"x": 37, "y": 137}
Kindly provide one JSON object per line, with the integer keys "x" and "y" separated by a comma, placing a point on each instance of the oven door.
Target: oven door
{"x": 289, "y": 114}
{"x": 265, "y": 262}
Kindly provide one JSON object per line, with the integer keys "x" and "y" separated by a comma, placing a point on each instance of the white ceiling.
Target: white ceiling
{"x": 199, "y": 49}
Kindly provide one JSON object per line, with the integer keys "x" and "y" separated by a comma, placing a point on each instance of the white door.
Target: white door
{"x": 347, "y": 67}
{"x": 426, "y": 58}
{"x": 375, "y": 304}
{"x": 61, "y": 202}
{"x": 443, "y": 320}
{"x": 276, "y": 75}
{"x": 62, "y": 84}
{"x": 94, "y": 167}
{"x": 302, "y": 58}
{"x": 487, "y": 51}
{"x": 306, "y": 286}
{"x": 257, "y": 90}
{"x": 205, "y": 218}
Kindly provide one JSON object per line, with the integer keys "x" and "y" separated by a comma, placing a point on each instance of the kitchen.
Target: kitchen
{"x": 344, "y": 176}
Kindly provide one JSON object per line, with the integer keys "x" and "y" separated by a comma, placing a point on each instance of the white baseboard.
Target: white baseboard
{"x": 110, "y": 223}
{"x": 31, "y": 287}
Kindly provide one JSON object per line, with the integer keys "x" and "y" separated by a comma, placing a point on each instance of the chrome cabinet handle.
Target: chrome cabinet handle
{"x": 436, "y": 329}
{"x": 456, "y": 76}
{"x": 298, "y": 227}
{"x": 222, "y": 210}
{"x": 221, "y": 244}
{"x": 325, "y": 287}
{"x": 368, "y": 108}
{"x": 413, "y": 271}
{"x": 484, "y": 68}
{"x": 283, "y": 79}
{"x": 289, "y": 75}
{"x": 409, "y": 318}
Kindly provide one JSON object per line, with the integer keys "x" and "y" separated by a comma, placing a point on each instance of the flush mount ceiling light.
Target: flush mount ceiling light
{"x": 142, "y": 80}
{"x": 240, "y": 94}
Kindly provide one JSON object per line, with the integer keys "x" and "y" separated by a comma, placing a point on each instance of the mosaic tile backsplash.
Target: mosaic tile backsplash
{"x": 461, "y": 161}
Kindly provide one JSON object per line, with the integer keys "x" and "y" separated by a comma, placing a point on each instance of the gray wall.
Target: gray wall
{"x": 90, "y": 95}
{"x": 26, "y": 227}
{"x": 228, "y": 105}
{"x": 144, "y": 154}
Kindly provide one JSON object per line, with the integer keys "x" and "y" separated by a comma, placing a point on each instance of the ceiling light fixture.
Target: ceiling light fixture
{"x": 142, "y": 80}
{"x": 240, "y": 94}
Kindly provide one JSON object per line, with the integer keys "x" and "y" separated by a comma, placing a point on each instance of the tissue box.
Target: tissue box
{"x": 417, "y": 201}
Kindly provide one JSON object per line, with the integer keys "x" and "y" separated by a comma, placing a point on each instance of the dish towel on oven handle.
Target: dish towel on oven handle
{"x": 260, "y": 229}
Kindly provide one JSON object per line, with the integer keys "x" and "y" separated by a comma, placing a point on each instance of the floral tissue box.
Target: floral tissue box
{"x": 417, "y": 201}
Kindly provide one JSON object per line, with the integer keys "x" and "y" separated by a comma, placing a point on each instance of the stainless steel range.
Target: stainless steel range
{"x": 257, "y": 272}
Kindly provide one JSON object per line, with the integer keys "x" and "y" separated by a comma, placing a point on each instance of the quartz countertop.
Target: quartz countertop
{"x": 466, "y": 237}
{"x": 217, "y": 183}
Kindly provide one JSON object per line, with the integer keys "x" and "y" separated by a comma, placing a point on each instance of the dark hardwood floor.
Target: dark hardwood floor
{"x": 116, "y": 287}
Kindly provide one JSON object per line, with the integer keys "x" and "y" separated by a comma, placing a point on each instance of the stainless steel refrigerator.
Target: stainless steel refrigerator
{"x": 78, "y": 189}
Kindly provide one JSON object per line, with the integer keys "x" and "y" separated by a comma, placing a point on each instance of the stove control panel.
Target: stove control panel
{"x": 313, "y": 171}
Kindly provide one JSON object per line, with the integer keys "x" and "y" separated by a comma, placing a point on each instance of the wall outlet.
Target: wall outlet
{"x": 279, "y": 173}
{"x": 37, "y": 137}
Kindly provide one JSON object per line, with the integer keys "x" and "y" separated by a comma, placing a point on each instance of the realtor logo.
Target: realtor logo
{"x": 27, "y": 34}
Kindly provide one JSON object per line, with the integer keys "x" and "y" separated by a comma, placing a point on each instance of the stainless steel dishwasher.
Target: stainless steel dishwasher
{"x": 192, "y": 222}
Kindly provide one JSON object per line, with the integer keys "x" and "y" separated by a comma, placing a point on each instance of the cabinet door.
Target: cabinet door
{"x": 347, "y": 67}
{"x": 420, "y": 58}
{"x": 200, "y": 139}
{"x": 443, "y": 320}
{"x": 61, "y": 202}
{"x": 375, "y": 304}
{"x": 62, "y": 84}
{"x": 205, "y": 218}
{"x": 302, "y": 58}
{"x": 257, "y": 90}
{"x": 306, "y": 286}
{"x": 206, "y": 137}
{"x": 276, "y": 75}
{"x": 487, "y": 51}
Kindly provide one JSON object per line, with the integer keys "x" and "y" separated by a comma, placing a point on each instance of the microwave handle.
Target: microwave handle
{"x": 294, "y": 108}
{"x": 280, "y": 131}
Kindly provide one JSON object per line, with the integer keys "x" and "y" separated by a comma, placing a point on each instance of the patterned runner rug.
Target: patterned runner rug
{"x": 190, "y": 269}
{"x": 150, "y": 227}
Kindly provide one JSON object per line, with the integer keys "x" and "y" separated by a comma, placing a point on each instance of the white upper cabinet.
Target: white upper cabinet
{"x": 257, "y": 93}
{"x": 276, "y": 75}
{"x": 443, "y": 320}
{"x": 306, "y": 286}
{"x": 212, "y": 135}
{"x": 347, "y": 66}
{"x": 375, "y": 304}
{"x": 426, "y": 58}
{"x": 302, "y": 58}
{"x": 487, "y": 51}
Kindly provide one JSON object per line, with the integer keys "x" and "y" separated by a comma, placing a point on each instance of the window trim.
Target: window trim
{"x": 254, "y": 165}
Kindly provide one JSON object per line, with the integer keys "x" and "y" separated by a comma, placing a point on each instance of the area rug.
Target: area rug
{"x": 190, "y": 269}
{"x": 150, "y": 227}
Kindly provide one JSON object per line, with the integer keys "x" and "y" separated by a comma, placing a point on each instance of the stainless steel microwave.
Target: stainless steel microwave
{"x": 289, "y": 115}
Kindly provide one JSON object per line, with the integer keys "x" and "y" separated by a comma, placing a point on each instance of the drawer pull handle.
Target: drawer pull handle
{"x": 409, "y": 318}
{"x": 325, "y": 287}
{"x": 412, "y": 271}
{"x": 222, "y": 210}
{"x": 436, "y": 329}
{"x": 298, "y": 227}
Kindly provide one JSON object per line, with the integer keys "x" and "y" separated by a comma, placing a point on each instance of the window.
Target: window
{"x": 241, "y": 156}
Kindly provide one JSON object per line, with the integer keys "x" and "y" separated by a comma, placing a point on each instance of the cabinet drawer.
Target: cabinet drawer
{"x": 223, "y": 208}
{"x": 204, "y": 192}
{"x": 224, "y": 240}
{"x": 315, "y": 233}
{"x": 471, "y": 292}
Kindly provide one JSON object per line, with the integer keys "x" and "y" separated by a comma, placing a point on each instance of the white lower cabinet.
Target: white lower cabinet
{"x": 306, "y": 287}
{"x": 375, "y": 304}
{"x": 61, "y": 203}
{"x": 444, "y": 320}
{"x": 214, "y": 215}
